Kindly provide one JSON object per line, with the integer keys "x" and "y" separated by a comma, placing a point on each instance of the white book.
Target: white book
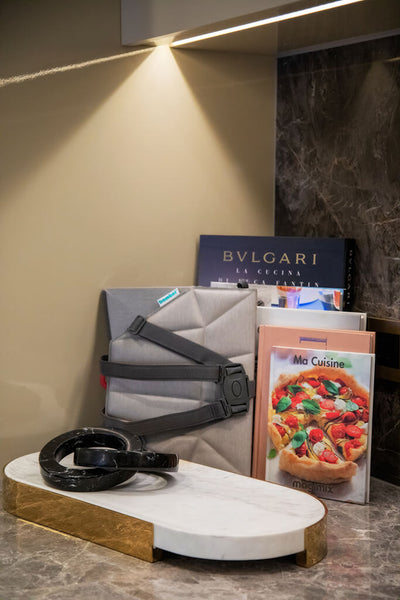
{"x": 305, "y": 298}
{"x": 321, "y": 319}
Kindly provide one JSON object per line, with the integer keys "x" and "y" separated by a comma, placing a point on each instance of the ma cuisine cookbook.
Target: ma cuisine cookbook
{"x": 313, "y": 413}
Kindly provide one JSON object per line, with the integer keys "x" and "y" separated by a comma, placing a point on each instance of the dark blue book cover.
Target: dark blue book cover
{"x": 278, "y": 261}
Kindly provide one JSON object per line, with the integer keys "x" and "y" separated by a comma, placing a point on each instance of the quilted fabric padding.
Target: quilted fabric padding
{"x": 222, "y": 320}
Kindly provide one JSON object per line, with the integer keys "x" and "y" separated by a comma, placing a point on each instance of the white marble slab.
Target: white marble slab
{"x": 203, "y": 512}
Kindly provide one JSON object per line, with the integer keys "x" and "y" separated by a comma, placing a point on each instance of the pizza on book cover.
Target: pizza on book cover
{"x": 319, "y": 415}
{"x": 286, "y": 263}
{"x": 294, "y": 337}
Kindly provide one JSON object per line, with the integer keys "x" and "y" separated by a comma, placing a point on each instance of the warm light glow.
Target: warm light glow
{"x": 72, "y": 67}
{"x": 268, "y": 21}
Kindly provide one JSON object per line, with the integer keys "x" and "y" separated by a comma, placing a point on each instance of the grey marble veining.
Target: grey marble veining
{"x": 337, "y": 161}
{"x": 338, "y": 175}
{"x": 362, "y": 563}
{"x": 386, "y": 432}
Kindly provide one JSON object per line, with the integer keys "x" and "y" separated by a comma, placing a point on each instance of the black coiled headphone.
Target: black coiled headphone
{"x": 108, "y": 457}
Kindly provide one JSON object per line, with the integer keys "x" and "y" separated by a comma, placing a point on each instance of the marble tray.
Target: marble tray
{"x": 198, "y": 511}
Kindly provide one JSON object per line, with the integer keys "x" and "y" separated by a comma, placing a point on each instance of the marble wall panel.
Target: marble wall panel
{"x": 338, "y": 175}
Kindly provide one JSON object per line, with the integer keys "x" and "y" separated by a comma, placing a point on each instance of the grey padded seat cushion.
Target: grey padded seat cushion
{"x": 222, "y": 320}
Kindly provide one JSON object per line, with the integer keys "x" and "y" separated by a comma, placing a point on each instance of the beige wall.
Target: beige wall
{"x": 109, "y": 173}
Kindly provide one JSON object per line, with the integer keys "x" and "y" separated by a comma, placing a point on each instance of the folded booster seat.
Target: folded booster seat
{"x": 180, "y": 374}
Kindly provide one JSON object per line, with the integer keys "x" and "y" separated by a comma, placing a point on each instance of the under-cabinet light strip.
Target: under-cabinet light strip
{"x": 269, "y": 20}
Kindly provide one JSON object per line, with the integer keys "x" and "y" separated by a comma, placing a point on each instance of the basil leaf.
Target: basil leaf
{"x": 272, "y": 453}
{"x": 298, "y": 439}
{"x": 283, "y": 404}
{"x": 346, "y": 362}
{"x": 331, "y": 387}
{"x": 312, "y": 407}
{"x": 351, "y": 406}
{"x": 294, "y": 389}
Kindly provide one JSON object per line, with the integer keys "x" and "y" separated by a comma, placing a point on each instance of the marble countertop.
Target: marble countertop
{"x": 363, "y": 562}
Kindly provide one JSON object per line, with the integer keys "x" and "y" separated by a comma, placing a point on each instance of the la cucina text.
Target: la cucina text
{"x": 298, "y": 258}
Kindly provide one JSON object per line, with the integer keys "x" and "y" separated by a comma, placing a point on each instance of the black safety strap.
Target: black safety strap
{"x": 236, "y": 390}
{"x": 178, "y": 344}
{"x": 190, "y": 419}
{"x": 160, "y": 372}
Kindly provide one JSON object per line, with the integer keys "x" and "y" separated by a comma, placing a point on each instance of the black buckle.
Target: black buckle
{"x": 235, "y": 387}
{"x": 137, "y": 325}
